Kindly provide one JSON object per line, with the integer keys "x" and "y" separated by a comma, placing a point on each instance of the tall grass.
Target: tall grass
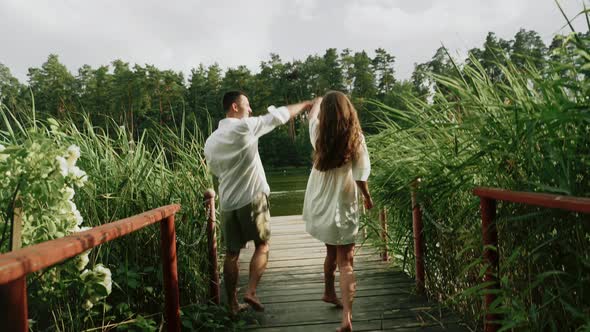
{"x": 128, "y": 176}
{"x": 529, "y": 132}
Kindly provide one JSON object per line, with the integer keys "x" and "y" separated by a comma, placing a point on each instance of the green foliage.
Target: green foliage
{"x": 124, "y": 177}
{"x": 212, "y": 318}
{"x": 37, "y": 188}
{"x": 523, "y": 127}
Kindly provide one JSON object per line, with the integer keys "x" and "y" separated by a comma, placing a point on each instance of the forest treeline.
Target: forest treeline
{"x": 141, "y": 96}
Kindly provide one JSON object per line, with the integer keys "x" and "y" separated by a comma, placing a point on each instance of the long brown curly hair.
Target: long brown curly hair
{"x": 340, "y": 133}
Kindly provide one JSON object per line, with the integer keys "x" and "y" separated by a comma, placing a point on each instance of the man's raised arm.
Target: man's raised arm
{"x": 295, "y": 109}
{"x": 261, "y": 125}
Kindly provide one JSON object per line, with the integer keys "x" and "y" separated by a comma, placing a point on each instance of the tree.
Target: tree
{"x": 10, "y": 88}
{"x": 420, "y": 81}
{"x": 363, "y": 76}
{"x": 121, "y": 94}
{"x": 331, "y": 77}
{"x": 494, "y": 55}
{"x": 347, "y": 65}
{"x": 383, "y": 65}
{"x": 424, "y": 75}
{"x": 195, "y": 96}
{"x": 53, "y": 87}
{"x": 528, "y": 47}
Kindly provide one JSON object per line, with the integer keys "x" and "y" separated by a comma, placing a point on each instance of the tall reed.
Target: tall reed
{"x": 529, "y": 132}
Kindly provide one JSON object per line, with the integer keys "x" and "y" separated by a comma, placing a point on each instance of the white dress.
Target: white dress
{"x": 330, "y": 207}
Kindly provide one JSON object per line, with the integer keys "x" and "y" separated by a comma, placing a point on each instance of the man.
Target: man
{"x": 232, "y": 155}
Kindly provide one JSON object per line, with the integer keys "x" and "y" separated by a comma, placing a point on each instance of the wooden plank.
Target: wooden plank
{"x": 300, "y": 296}
{"x": 369, "y": 326}
{"x": 297, "y": 258}
{"x": 318, "y": 287}
{"x": 319, "y": 251}
{"x": 298, "y": 277}
{"x": 369, "y": 310}
{"x": 360, "y": 269}
{"x": 293, "y": 284}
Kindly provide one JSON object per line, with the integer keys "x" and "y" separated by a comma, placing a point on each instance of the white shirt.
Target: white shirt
{"x": 330, "y": 207}
{"x": 232, "y": 155}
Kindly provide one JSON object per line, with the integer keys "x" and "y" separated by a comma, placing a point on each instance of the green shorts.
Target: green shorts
{"x": 250, "y": 222}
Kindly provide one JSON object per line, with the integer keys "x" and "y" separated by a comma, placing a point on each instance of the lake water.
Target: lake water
{"x": 287, "y": 189}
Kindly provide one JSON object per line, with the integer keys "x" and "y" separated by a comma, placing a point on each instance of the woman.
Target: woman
{"x": 330, "y": 209}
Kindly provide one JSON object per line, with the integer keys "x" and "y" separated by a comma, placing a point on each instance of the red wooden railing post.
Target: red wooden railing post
{"x": 169, "y": 262}
{"x": 212, "y": 242}
{"x": 418, "y": 243}
{"x": 13, "y": 306}
{"x": 383, "y": 219}
{"x": 490, "y": 253}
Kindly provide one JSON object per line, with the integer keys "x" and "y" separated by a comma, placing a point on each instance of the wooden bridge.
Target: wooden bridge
{"x": 293, "y": 284}
{"x": 292, "y": 287}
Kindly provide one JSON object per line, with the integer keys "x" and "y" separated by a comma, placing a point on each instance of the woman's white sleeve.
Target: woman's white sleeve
{"x": 361, "y": 166}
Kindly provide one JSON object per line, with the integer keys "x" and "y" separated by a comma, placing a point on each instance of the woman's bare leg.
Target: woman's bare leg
{"x": 329, "y": 270}
{"x": 345, "y": 260}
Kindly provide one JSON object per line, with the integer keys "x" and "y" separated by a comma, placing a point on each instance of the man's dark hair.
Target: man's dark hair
{"x": 231, "y": 97}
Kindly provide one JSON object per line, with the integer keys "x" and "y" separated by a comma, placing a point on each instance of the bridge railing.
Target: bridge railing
{"x": 16, "y": 265}
{"x": 488, "y": 198}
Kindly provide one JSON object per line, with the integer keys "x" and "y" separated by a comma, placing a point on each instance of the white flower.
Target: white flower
{"x": 83, "y": 260}
{"x": 78, "y": 217}
{"x": 105, "y": 274}
{"x": 77, "y": 172}
{"x": 73, "y": 155}
{"x": 63, "y": 165}
{"x": 2, "y": 148}
{"x": 87, "y": 305}
{"x": 75, "y": 213}
{"x": 84, "y": 274}
{"x": 68, "y": 193}
{"x": 80, "y": 182}
{"x": 79, "y": 175}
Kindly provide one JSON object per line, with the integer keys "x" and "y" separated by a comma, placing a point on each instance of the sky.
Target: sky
{"x": 179, "y": 35}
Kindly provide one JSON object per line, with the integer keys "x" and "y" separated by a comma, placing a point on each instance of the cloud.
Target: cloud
{"x": 179, "y": 35}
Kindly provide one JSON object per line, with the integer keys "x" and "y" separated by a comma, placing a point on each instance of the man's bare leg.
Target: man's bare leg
{"x": 231, "y": 271}
{"x": 329, "y": 270}
{"x": 257, "y": 268}
{"x": 345, "y": 258}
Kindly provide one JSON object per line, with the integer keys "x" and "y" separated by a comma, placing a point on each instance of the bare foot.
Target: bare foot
{"x": 345, "y": 329}
{"x": 346, "y": 325}
{"x": 332, "y": 299}
{"x": 253, "y": 301}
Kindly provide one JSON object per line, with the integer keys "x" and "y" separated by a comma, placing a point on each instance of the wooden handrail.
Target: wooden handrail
{"x": 576, "y": 204}
{"x": 14, "y": 266}
{"x": 488, "y": 198}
